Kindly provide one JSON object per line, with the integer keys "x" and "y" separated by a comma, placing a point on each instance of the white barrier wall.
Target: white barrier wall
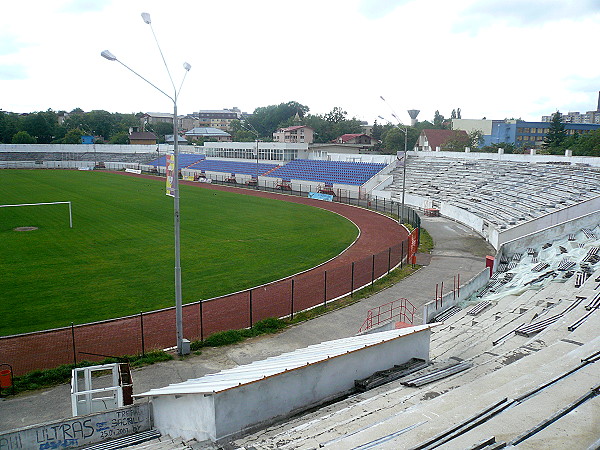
{"x": 233, "y": 411}
{"x": 90, "y": 148}
{"x": 549, "y": 234}
{"x": 498, "y": 237}
{"x": 587, "y": 160}
{"x": 80, "y": 431}
{"x": 432, "y": 309}
{"x": 549, "y": 220}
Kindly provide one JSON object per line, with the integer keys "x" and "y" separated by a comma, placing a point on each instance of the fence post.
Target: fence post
{"x": 250, "y": 293}
{"x": 401, "y": 254}
{"x": 373, "y": 270}
{"x": 458, "y": 285}
{"x": 292, "y": 310}
{"x": 201, "y": 323}
{"x": 73, "y": 339}
{"x": 142, "y": 331}
{"x": 389, "y": 259}
{"x": 454, "y": 287}
{"x": 436, "y": 295}
{"x": 352, "y": 281}
{"x": 325, "y": 291}
{"x": 442, "y": 295}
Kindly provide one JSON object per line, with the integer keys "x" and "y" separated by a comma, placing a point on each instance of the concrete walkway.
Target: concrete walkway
{"x": 458, "y": 250}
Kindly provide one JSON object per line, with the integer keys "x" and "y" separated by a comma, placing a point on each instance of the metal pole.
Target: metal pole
{"x": 292, "y": 302}
{"x": 178, "y": 299}
{"x": 352, "y": 282}
{"x": 250, "y": 307}
{"x": 142, "y": 332}
{"x": 404, "y": 173}
{"x": 325, "y": 291}
{"x": 73, "y": 339}
{"x": 257, "y": 162}
{"x": 373, "y": 270}
{"x": 201, "y": 323}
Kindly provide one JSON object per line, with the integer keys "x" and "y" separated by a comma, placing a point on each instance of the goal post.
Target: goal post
{"x": 46, "y": 203}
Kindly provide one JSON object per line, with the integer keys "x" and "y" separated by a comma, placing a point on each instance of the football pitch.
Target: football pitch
{"x": 118, "y": 259}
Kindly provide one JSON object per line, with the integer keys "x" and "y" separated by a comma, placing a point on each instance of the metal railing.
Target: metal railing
{"x": 401, "y": 309}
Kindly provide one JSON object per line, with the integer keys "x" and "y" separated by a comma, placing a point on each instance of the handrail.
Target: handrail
{"x": 400, "y": 308}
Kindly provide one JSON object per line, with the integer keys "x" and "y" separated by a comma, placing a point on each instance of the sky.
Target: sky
{"x": 490, "y": 58}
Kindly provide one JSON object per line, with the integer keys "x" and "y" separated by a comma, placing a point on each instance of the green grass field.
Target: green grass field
{"x": 118, "y": 257}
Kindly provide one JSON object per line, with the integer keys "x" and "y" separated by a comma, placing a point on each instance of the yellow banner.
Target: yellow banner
{"x": 170, "y": 167}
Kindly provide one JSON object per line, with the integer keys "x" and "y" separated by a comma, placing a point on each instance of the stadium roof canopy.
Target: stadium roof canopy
{"x": 259, "y": 370}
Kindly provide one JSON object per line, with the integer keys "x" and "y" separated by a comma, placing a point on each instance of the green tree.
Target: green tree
{"x": 73, "y": 136}
{"x": 10, "y": 124}
{"x": 336, "y": 115}
{"x": 587, "y": 144}
{"x": 161, "y": 129}
{"x": 23, "y": 137}
{"x": 122, "y": 137}
{"x": 377, "y": 131}
{"x": 267, "y": 119}
{"x": 41, "y": 125}
{"x": 556, "y": 134}
{"x": 475, "y": 139}
{"x": 438, "y": 120}
{"x": 457, "y": 142}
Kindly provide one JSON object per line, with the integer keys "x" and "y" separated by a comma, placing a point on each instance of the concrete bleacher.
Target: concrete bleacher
{"x": 342, "y": 172}
{"x": 529, "y": 379}
{"x": 140, "y": 158}
{"x": 505, "y": 193}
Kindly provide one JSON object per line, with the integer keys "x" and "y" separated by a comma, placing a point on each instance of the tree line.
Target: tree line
{"x": 557, "y": 140}
{"x": 58, "y": 127}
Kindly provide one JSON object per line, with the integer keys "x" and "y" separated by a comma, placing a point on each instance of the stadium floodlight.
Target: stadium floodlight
{"x": 175, "y": 185}
{"x": 405, "y": 131}
{"x": 252, "y": 130}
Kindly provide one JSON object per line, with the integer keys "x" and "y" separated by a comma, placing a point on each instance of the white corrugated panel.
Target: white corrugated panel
{"x": 258, "y": 370}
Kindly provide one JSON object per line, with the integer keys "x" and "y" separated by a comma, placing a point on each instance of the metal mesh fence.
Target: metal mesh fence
{"x": 154, "y": 330}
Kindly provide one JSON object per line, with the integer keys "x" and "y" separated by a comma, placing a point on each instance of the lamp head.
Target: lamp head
{"x": 146, "y": 18}
{"x": 108, "y": 55}
{"x": 187, "y": 66}
{"x": 381, "y": 97}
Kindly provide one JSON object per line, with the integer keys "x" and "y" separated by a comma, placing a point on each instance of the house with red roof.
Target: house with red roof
{"x": 355, "y": 138}
{"x": 431, "y": 140}
{"x": 299, "y": 134}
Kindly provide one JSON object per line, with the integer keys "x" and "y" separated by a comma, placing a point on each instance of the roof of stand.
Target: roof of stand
{"x": 258, "y": 370}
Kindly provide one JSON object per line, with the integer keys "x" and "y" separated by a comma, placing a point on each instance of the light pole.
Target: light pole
{"x": 253, "y": 131}
{"x": 175, "y": 185}
{"x": 405, "y": 131}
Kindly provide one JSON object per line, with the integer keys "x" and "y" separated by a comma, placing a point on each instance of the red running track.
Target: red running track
{"x": 380, "y": 246}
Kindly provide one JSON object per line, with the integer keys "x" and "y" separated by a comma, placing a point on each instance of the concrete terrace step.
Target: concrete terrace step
{"x": 395, "y": 416}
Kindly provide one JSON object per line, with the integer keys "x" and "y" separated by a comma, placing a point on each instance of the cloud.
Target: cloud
{"x": 376, "y": 9}
{"x": 85, "y": 6}
{"x": 518, "y": 13}
{"x": 585, "y": 84}
{"x": 16, "y": 72}
{"x": 9, "y": 44}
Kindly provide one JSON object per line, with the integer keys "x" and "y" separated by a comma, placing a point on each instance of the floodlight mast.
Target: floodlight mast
{"x": 175, "y": 186}
{"x": 405, "y": 131}
{"x": 253, "y": 130}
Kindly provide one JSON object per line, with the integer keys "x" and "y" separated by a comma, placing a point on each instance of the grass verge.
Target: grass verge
{"x": 274, "y": 325}
{"x": 39, "y": 379}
